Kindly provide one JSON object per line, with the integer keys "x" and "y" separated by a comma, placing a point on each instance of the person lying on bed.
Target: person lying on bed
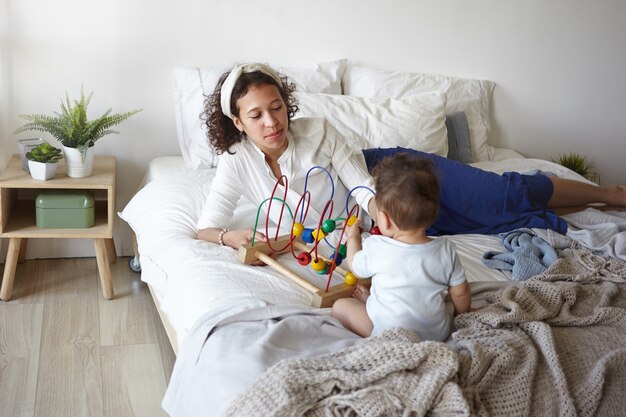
{"x": 410, "y": 271}
{"x": 249, "y": 122}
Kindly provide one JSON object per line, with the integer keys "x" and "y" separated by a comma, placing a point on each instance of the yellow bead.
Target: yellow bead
{"x": 350, "y": 279}
{"x": 318, "y": 234}
{"x": 318, "y": 264}
{"x": 297, "y": 229}
{"x": 351, "y": 220}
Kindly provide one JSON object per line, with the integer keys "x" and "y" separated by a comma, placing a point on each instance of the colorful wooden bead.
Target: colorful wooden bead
{"x": 318, "y": 234}
{"x": 351, "y": 220}
{"x": 298, "y": 228}
{"x": 339, "y": 259}
{"x": 343, "y": 250}
{"x": 350, "y": 279}
{"x": 318, "y": 264}
{"x": 324, "y": 270}
{"x": 375, "y": 230}
{"x": 304, "y": 258}
{"x": 328, "y": 226}
{"x": 307, "y": 236}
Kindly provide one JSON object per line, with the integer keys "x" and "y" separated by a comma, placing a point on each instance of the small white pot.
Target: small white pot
{"x": 42, "y": 170}
{"x": 74, "y": 164}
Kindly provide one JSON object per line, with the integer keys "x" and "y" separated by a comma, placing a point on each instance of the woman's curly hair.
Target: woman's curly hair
{"x": 221, "y": 130}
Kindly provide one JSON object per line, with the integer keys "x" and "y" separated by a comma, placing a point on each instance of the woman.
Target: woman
{"x": 249, "y": 123}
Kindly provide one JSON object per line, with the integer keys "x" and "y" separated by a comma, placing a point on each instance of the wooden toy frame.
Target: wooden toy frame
{"x": 321, "y": 297}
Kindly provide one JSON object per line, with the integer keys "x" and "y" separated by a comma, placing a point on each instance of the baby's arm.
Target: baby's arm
{"x": 461, "y": 296}
{"x": 353, "y": 245}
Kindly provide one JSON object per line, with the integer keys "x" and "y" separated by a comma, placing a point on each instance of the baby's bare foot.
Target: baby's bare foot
{"x": 361, "y": 293}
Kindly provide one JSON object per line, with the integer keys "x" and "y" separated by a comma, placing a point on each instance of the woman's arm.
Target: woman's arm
{"x": 232, "y": 238}
{"x": 349, "y": 163}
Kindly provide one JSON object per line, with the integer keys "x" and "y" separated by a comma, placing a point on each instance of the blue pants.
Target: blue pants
{"x": 476, "y": 201}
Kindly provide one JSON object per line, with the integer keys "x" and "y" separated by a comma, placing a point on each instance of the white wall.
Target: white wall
{"x": 560, "y": 66}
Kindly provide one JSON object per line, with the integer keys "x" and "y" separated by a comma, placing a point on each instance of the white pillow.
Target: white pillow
{"x": 418, "y": 122}
{"x": 191, "y": 85}
{"x": 471, "y": 96}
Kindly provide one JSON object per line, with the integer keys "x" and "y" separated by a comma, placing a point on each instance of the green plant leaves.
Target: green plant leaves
{"x": 45, "y": 153}
{"x": 71, "y": 126}
{"x": 575, "y": 162}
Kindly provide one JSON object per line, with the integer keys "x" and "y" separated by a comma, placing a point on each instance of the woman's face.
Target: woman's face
{"x": 263, "y": 117}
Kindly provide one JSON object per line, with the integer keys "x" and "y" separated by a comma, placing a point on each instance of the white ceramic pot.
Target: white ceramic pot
{"x": 74, "y": 164}
{"x": 42, "y": 170}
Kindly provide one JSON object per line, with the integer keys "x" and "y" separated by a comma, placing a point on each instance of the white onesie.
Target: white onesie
{"x": 409, "y": 284}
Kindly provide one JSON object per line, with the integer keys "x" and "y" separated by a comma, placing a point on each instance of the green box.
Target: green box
{"x": 72, "y": 209}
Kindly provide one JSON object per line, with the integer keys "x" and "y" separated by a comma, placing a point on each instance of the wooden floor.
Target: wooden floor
{"x": 66, "y": 351}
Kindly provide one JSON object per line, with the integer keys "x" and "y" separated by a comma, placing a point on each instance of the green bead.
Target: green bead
{"x": 328, "y": 226}
{"x": 324, "y": 271}
{"x": 343, "y": 250}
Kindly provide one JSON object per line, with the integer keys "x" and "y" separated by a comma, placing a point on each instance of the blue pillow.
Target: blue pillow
{"x": 459, "y": 146}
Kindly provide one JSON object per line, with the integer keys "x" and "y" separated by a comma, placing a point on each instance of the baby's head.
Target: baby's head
{"x": 407, "y": 189}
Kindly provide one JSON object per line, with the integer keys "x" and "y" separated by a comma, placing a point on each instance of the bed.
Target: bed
{"x": 229, "y": 323}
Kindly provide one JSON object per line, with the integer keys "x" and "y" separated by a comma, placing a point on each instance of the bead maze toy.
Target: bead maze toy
{"x": 299, "y": 239}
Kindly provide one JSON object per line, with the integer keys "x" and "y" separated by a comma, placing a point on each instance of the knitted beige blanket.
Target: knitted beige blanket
{"x": 551, "y": 346}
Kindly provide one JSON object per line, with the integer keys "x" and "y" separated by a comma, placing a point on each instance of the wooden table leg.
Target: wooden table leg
{"x": 9, "y": 268}
{"x": 111, "y": 252}
{"x": 23, "y": 246}
{"x": 103, "y": 268}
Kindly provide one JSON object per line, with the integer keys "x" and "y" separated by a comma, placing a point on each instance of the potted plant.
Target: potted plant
{"x": 579, "y": 165}
{"x": 76, "y": 133}
{"x": 42, "y": 161}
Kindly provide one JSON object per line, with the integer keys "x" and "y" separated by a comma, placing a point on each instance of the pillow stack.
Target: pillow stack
{"x": 370, "y": 107}
{"x": 470, "y": 96}
{"x": 417, "y": 122}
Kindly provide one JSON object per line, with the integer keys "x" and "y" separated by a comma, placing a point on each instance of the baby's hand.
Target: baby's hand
{"x": 355, "y": 229}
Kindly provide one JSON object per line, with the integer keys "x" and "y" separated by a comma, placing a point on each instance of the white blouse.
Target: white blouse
{"x": 312, "y": 142}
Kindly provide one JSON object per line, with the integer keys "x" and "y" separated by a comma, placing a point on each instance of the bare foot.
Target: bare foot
{"x": 361, "y": 293}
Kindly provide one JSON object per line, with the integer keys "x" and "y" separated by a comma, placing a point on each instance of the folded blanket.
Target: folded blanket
{"x": 528, "y": 255}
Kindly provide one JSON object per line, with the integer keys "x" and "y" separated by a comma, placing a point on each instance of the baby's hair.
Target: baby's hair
{"x": 407, "y": 189}
{"x": 221, "y": 130}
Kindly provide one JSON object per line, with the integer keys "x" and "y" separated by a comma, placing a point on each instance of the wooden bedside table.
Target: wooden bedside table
{"x": 17, "y": 215}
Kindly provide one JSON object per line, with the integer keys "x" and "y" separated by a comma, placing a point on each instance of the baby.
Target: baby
{"x": 411, "y": 272}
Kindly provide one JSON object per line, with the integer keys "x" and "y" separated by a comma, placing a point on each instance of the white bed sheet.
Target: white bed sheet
{"x": 192, "y": 278}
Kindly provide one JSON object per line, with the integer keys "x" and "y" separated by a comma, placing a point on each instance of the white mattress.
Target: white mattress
{"x": 192, "y": 278}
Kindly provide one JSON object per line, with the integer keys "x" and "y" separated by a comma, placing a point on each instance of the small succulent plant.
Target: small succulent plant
{"x": 575, "y": 162}
{"x": 45, "y": 153}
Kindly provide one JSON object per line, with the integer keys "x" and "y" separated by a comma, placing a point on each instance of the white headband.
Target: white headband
{"x": 231, "y": 80}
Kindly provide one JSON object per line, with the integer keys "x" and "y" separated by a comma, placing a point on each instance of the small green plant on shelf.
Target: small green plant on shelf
{"x": 71, "y": 126}
{"x": 45, "y": 153}
{"x": 575, "y": 162}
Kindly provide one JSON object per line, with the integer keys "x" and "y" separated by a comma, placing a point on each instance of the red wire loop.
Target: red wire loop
{"x": 280, "y": 218}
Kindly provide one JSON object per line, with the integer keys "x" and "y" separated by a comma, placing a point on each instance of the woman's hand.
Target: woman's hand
{"x": 236, "y": 238}
{"x": 233, "y": 238}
